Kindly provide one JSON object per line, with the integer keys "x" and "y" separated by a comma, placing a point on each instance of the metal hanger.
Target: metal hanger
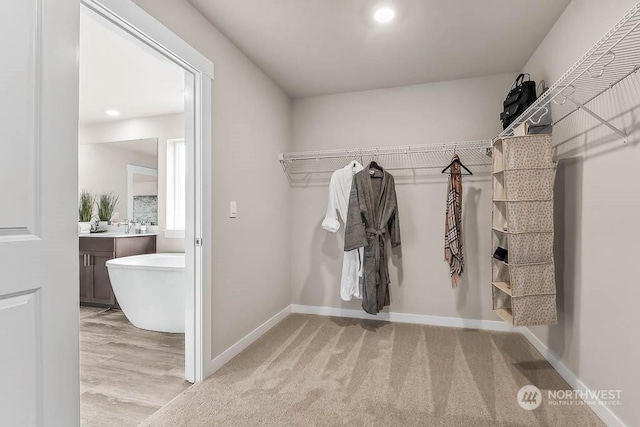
{"x": 454, "y": 161}
{"x": 374, "y": 165}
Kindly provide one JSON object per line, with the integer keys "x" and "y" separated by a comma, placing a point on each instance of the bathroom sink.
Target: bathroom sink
{"x": 112, "y": 234}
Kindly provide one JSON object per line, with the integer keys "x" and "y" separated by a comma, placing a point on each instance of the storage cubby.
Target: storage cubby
{"x": 524, "y": 216}
{"x": 523, "y": 286}
{"x": 526, "y": 279}
{"x": 497, "y": 156}
{"x": 524, "y": 184}
{"x": 525, "y": 248}
{"x": 526, "y": 152}
{"x": 527, "y": 310}
{"x": 499, "y": 191}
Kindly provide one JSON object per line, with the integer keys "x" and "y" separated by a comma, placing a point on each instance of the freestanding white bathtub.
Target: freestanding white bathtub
{"x": 151, "y": 290}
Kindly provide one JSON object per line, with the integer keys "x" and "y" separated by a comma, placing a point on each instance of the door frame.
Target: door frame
{"x": 142, "y": 26}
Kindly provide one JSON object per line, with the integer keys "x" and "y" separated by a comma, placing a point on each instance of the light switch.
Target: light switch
{"x": 233, "y": 209}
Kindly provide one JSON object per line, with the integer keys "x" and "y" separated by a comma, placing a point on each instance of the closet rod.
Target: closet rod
{"x": 386, "y": 151}
{"x": 299, "y": 165}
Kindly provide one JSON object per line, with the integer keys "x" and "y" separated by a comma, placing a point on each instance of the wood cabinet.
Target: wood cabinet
{"x": 95, "y": 286}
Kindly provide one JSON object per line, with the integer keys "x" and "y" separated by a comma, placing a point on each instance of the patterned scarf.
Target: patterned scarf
{"x": 453, "y": 252}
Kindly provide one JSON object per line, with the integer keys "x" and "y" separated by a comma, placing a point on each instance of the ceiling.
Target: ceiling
{"x": 314, "y": 47}
{"x": 118, "y": 72}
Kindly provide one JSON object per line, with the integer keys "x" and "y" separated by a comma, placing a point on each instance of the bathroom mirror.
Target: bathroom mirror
{"x": 142, "y": 194}
{"x": 128, "y": 169}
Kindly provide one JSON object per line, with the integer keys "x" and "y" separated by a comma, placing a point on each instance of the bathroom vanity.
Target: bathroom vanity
{"x": 95, "y": 250}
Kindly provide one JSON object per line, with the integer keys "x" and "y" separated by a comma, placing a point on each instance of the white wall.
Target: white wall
{"x": 420, "y": 114}
{"x": 166, "y": 127}
{"x": 145, "y": 188}
{"x": 597, "y": 207}
{"x": 251, "y": 125}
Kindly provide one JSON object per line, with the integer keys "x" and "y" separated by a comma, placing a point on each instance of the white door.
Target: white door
{"x": 39, "y": 375}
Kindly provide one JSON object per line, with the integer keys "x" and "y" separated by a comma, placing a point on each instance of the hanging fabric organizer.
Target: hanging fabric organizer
{"x": 524, "y": 290}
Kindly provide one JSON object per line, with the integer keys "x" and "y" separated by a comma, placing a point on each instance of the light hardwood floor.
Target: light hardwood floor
{"x": 126, "y": 373}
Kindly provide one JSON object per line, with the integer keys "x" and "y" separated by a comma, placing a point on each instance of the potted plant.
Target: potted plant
{"x": 107, "y": 203}
{"x": 85, "y": 211}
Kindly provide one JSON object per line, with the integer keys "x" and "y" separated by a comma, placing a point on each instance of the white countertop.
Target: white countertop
{"x": 116, "y": 235}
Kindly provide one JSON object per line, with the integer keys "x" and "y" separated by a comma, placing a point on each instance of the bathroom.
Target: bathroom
{"x": 132, "y": 220}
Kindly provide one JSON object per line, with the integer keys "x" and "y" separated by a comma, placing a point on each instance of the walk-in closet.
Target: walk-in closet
{"x": 367, "y": 213}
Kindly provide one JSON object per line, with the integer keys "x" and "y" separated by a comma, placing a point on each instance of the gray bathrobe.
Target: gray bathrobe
{"x": 372, "y": 214}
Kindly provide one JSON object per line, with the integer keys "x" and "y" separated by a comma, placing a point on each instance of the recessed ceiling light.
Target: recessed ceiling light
{"x": 111, "y": 112}
{"x": 384, "y": 15}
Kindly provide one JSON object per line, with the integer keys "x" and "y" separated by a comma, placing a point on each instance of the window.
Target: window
{"x": 176, "y": 188}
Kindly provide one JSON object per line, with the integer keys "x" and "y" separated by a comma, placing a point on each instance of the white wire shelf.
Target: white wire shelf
{"x": 299, "y": 165}
{"x": 611, "y": 60}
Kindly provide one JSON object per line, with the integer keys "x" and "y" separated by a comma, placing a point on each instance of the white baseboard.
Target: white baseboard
{"x": 245, "y": 342}
{"x": 420, "y": 319}
{"x": 602, "y": 411}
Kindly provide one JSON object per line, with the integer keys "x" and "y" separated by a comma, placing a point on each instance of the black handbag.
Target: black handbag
{"x": 520, "y": 97}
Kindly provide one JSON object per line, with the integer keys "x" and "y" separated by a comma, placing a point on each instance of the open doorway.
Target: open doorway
{"x": 142, "y": 298}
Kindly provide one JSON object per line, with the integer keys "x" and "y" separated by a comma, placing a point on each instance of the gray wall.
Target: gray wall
{"x": 251, "y": 125}
{"x": 421, "y": 114}
{"x": 597, "y": 211}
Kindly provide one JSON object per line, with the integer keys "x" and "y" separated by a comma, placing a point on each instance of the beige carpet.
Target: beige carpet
{"x": 323, "y": 371}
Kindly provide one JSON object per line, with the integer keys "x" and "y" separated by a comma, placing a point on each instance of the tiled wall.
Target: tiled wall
{"x": 145, "y": 208}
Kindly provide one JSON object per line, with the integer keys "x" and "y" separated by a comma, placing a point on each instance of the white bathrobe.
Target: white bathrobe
{"x": 339, "y": 190}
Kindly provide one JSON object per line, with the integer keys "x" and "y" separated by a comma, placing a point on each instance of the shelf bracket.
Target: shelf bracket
{"x": 599, "y": 118}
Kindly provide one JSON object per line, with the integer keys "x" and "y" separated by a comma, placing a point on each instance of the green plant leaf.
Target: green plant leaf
{"x": 85, "y": 208}
{"x": 107, "y": 203}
